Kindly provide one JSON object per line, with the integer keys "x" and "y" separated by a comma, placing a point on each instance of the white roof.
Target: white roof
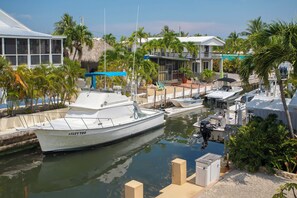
{"x": 97, "y": 100}
{"x": 266, "y": 103}
{"x": 293, "y": 103}
{"x": 10, "y": 27}
{"x": 198, "y": 40}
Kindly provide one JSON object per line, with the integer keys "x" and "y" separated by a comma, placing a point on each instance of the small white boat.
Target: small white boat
{"x": 96, "y": 117}
{"x": 187, "y": 102}
{"x": 226, "y": 92}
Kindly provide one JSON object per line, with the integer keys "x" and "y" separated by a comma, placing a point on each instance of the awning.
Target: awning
{"x": 108, "y": 74}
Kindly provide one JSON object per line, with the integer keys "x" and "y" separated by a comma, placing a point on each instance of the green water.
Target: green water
{"x": 103, "y": 171}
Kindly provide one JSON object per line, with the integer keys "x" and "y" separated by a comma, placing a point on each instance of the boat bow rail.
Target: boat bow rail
{"x": 63, "y": 123}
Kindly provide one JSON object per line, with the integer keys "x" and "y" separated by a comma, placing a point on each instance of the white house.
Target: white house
{"x": 170, "y": 62}
{"x": 22, "y": 46}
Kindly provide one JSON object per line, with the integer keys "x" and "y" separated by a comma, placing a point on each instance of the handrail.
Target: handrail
{"x": 66, "y": 119}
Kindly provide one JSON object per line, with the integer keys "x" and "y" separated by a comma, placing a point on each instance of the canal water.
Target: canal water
{"x": 103, "y": 171}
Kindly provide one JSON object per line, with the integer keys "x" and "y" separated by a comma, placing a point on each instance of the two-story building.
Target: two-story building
{"x": 171, "y": 62}
{"x": 22, "y": 46}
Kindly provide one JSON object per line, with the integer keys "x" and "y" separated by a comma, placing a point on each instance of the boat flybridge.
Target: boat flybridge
{"x": 96, "y": 117}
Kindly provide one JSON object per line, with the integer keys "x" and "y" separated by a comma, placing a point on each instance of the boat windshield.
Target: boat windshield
{"x": 225, "y": 88}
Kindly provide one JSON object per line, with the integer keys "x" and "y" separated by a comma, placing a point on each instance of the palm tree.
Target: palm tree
{"x": 80, "y": 35}
{"x": 140, "y": 34}
{"x": 280, "y": 45}
{"x": 254, "y": 26}
{"x": 65, "y": 27}
{"x": 191, "y": 48}
{"x": 183, "y": 34}
{"x": 66, "y": 23}
{"x": 110, "y": 39}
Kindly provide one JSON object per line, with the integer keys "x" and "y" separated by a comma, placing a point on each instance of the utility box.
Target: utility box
{"x": 208, "y": 169}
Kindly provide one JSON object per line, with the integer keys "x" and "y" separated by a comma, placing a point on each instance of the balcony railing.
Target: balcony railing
{"x": 204, "y": 55}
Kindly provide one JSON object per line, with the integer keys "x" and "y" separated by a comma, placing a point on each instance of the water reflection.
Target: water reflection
{"x": 102, "y": 172}
{"x": 106, "y": 163}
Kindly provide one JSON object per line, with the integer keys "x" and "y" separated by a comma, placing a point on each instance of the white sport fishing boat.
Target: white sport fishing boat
{"x": 96, "y": 117}
{"x": 196, "y": 100}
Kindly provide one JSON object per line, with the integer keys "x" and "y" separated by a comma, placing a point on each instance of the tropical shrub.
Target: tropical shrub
{"x": 207, "y": 75}
{"x": 263, "y": 142}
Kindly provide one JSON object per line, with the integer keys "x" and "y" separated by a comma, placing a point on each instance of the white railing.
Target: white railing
{"x": 41, "y": 120}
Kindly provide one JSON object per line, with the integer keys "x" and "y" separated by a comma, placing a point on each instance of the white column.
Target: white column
{"x": 62, "y": 51}
{"x": 211, "y": 64}
{"x": 29, "y": 55}
{"x": 2, "y": 46}
{"x": 221, "y": 68}
{"x": 50, "y": 51}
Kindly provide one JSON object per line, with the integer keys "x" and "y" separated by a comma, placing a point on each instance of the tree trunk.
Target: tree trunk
{"x": 288, "y": 116}
{"x": 74, "y": 54}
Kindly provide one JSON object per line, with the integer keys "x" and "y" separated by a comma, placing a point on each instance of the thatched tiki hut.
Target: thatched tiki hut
{"x": 90, "y": 57}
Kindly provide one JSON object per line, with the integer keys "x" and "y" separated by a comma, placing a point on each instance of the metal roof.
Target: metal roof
{"x": 200, "y": 40}
{"x": 11, "y": 28}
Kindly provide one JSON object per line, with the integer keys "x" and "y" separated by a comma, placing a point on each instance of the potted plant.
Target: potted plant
{"x": 187, "y": 73}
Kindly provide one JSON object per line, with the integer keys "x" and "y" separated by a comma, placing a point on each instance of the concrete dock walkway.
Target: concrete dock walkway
{"x": 245, "y": 185}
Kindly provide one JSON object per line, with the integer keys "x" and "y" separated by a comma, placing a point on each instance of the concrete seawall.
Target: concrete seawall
{"x": 15, "y": 137}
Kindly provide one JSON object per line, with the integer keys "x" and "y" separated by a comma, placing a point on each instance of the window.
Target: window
{"x": 35, "y": 60}
{"x": 194, "y": 67}
{"x": 44, "y": 44}
{"x": 22, "y": 45}
{"x": 11, "y": 59}
{"x": 22, "y": 60}
{"x": 9, "y": 45}
{"x": 0, "y": 45}
{"x": 205, "y": 65}
{"x": 44, "y": 59}
{"x": 56, "y": 46}
{"x": 56, "y": 59}
{"x": 34, "y": 46}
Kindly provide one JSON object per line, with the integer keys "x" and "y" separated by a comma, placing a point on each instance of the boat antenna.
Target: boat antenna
{"x": 134, "y": 89}
{"x": 104, "y": 33}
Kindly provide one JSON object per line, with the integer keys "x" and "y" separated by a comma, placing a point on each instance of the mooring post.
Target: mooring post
{"x": 174, "y": 92}
{"x": 133, "y": 189}
{"x": 155, "y": 92}
{"x": 179, "y": 171}
{"x": 165, "y": 98}
{"x": 183, "y": 92}
{"x": 191, "y": 90}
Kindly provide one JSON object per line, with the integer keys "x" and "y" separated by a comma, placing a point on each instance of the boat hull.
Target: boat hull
{"x": 187, "y": 102}
{"x": 64, "y": 140}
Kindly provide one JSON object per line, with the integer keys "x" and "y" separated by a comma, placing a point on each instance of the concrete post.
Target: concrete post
{"x": 133, "y": 189}
{"x": 155, "y": 92}
{"x": 174, "y": 92}
{"x": 183, "y": 92}
{"x": 191, "y": 90}
{"x": 165, "y": 98}
{"x": 179, "y": 171}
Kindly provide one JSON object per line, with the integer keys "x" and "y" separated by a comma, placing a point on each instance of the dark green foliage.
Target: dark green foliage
{"x": 286, "y": 187}
{"x": 263, "y": 142}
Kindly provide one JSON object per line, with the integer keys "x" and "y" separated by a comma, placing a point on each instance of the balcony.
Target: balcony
{"x": 202, "y": 55}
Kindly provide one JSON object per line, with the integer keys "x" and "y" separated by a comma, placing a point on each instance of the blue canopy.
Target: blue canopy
{"x": 108, "y": 74}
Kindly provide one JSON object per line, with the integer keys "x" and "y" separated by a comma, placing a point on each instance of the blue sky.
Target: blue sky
{"x": 212, "y": 17}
